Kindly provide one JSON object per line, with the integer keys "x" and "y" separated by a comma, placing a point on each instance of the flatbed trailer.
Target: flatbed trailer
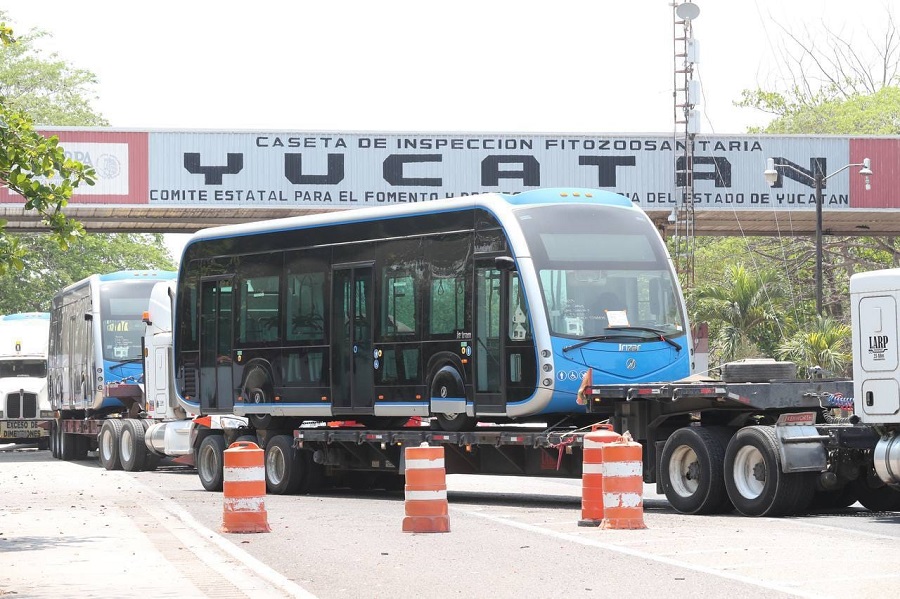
{"x": 770, "y": 448}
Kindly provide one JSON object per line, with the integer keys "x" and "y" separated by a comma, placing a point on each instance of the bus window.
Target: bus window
{"x": 306, "y": 307}
{"x": 448, "y": 305}
{"x": 259, "y": 309}
{"x": 399, "y": 306}
{"x": 519, "y": 325}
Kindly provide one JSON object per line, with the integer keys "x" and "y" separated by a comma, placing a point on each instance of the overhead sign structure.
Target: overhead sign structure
{"x": 333, "y": 170}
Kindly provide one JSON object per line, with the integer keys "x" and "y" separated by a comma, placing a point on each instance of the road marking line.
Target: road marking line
{"x": 641, "y": 554}
{"x": 205, "y": 534}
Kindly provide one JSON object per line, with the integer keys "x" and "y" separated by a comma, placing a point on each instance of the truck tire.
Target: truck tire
{"x": 210, "y": 462}
{"x": 80, "y": 446}
{"x": 285, "y": 471}
{"x": 447, "y": 382}
{"x": 874, "y": 495}
{"x": 108, "y": 444}
{"x": 692, "y": 470}
{"x": 756, "y": 484}
{"x": 54, "y": 439}
{"x": 758, "y": 370}
{"x": 132, "y": 449}
{"x": 836, "y": 499}
{"x": 66, "y": 445}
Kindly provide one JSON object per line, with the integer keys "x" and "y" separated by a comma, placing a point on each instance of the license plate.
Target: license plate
{"x": 22, "y": 429}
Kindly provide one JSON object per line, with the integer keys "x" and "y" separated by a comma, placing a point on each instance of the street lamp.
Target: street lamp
{"x": 819, "y": 178}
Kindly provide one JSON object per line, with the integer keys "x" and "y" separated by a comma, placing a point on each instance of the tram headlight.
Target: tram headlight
{"x": 548, "y": 382}
{"x": 547, "y": 367}
{"x": 545, "y": 353}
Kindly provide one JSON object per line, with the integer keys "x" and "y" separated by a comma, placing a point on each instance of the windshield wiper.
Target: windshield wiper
{"x": 659, "y": 332}
{"x": 124, "y": 362}
{"x": 587, "y": 340}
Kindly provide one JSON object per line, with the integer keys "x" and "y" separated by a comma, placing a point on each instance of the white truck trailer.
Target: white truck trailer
{"x": 24, "y": 404}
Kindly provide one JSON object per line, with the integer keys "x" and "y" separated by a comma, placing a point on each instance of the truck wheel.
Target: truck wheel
{"x": 837, "y": 499}
{"x": 447, "y": 382}
{"x": 132, "y": 449}
{"x": 54, "y": 439}
{"x": 756, "y": 484}
{"x": 210, "y": 462}
{"x": 874, "y": 495}
{"x": 315, "y": 480}
{"x": 692, "y": 470}
{"x": 80, "y": 446}
{"x": 284, "y": 466}
{"x": 66, "y": 445}
{"x": 108, "y": 444}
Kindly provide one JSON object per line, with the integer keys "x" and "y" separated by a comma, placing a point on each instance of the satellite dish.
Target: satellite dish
{"x": 687, "y": 11}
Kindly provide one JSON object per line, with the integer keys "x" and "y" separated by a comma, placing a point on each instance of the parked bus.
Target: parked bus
{"x": 25, "y": 408}
{"x": 96, "y": 354}
{"x": 481, "y": 308}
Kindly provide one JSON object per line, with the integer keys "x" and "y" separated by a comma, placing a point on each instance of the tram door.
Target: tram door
{"x": 216, "y": 390}
{"x": 353, "y": 371}
{"x": 490, "y": 330}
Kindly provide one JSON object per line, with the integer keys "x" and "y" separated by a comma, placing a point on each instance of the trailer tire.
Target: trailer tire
{"x": 54, "y": 439}
{"x": 285, "y": 471}
{"x": 210, "y": 461}
{"x": 447, "y": 382}
{"x": 80, "y": 446}
{"x": 692, "y": 470}
{"x": 108, "y": 444}
{"x": 756, "y": 484}
{"x": 836, "y": 499}
{"x": 132, "y": 448}
{"x": 874, "y": 495}
{"x": 315, "y": 473}
{"x": 66, "y": 446}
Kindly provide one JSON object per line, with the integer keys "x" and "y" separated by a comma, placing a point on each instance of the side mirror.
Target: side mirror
{"x": 504, "y": 263}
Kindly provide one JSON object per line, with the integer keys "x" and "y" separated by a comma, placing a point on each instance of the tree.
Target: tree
{"x": 47, "y": 91}
{"x": 36, "y": 168}
{"x": 742, "y": 310}
{"x": 826, "y": 344}
{"x": 86, "y": 256}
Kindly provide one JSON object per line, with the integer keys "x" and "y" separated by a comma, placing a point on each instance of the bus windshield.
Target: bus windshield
{"x": 122, "y": 311}
{"x": 601, "y": 269}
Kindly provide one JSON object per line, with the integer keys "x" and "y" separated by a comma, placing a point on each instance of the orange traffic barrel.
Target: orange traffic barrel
{"x": 623, "y": 484}
{"x": 244, "y": 489}
{"x": 426, "y": 490}
{"x": 592, "y": 473}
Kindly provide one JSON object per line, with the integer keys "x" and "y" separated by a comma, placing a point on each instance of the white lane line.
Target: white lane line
{"x": 842, "y": 530}
{"x": 254, "y": 565}
{"x": 641, "y": 554}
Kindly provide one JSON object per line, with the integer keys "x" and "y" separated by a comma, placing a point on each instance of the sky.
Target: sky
{"x": 397, "y": 65}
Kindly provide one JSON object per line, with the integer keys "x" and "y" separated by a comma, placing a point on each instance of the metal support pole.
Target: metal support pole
{"x": 820, "y": 179}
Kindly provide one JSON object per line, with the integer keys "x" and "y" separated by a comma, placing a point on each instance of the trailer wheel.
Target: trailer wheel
{"x": 210, "y": 461}
{"x": 66, "y": 445}
{"x": 756, "y": 484}
{"x": 316, "y": 479}
{"x": 447, "y": 382}
{"x": 108, "y": 442}
{"x": 692, "y": 470}
{"x": 80, "y": 446}
{"x": 874, "y": 495}
{"x": 54, "y": 439}
{"x": 284, "y": 466}
{"x": 836, "y": 499}
{"x": 132, "y": 449}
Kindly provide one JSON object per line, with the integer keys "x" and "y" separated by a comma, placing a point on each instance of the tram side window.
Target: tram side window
{"x": 519, "y": 323}
{"x": 259, "y": 309}
{"x": 448, "y": 305}
{"x": 399, "y": 306}
{"x": 306, "y": 307}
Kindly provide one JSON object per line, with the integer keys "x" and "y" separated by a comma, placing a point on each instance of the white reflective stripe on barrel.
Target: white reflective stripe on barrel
{"x": 622, "y": 469}
{"x": 426, "y": 495}
{"x": 424, "y": 464}
{"x": 244, "y": 474}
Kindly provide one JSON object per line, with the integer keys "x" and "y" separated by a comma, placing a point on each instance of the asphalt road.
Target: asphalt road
{"x": 74, "y": 529}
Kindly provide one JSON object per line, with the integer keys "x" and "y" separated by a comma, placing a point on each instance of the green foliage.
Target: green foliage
{"x": 872, "y": 114}
{"x": 825, "y": 343}
{"x": 742, "y": 309}
{"x": 43, "y": 86}
{"x": 47, "y": 270}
